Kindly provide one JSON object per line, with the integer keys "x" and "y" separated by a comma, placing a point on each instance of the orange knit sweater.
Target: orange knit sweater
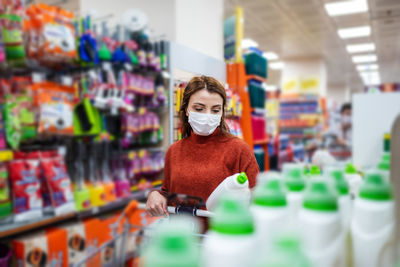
{"x": 196, "y": 165}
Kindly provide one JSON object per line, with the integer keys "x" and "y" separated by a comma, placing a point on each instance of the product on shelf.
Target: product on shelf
{"x": 231, "y": 233}
{"x": 373, "y": 223}
{"x": 12, "y": 35}
{"x": 5, "y": 192}
{"x": 25, "y": 183}
{"x": 270, "y": 211}
{"x": 42, "y": 249}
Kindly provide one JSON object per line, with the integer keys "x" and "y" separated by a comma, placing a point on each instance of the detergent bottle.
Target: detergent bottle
{"x": 372, "y": 226}
{"x": 236, "y": 185}
{"x": 263, "y": 177}
{"x": 295, "y": 184}
{"x": 353, "y": 178}
{"x": 320, "y": 225}
{"x": 285, "y": 251}
{"x": 231, "y": 239}
{"x": 345, "y": 208}
{"x": 173, "y": 245}
{"x": 270, "y": 211}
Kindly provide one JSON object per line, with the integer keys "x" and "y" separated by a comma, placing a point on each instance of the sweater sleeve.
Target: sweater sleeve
{"x": 167, "y": 173}
{"x": 249, "y": 165}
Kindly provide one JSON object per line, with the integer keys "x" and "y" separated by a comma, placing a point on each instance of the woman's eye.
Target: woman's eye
{"x": 215, "y": 111}
{"x": 198, "y": 109}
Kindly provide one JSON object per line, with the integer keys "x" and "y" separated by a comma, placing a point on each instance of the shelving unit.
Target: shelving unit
{"x": 7, "y": 230}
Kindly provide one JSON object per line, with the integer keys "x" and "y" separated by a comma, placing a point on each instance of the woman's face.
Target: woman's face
{"x": 205, "y": 102}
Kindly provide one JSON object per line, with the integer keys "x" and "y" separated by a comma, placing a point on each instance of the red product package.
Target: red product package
{"x": 26, "y": 191}
{"x": 58, "y": 182}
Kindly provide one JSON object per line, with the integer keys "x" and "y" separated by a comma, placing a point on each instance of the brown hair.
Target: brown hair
{"x": 196, "y": 84}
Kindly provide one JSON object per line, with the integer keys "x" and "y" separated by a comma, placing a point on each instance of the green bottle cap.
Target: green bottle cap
{"x": 350, "y": 169}
{"x": 340, "y": 182}
{"x": 319, "y": 197}
{"x": 386, "y": 142}
{"x": 104, "y": 53}
{"x": 232, "y": 217}
{"x": 294, "y": 180}
{"x": 241, "y": 178}
{"x": 375, "y": 188}
{"x": 270, "y": 194}
{"x": 173, "y": 245}
{"x": 315, "y": 170}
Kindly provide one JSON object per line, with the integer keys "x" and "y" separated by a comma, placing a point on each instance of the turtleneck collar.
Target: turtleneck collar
{"x": 200, "y": 139}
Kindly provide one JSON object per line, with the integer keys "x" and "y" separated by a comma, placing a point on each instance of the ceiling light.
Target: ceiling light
{"x": 277, "y": 65}
{"x": 367, "y": 67}
{"x": 364, "y": 58}
{"x": 370, "y": 78}
{"x": 270, "y": 55}
{"x": 247, "y": 43}
{"x": 354, "y": 32}
{"x": 346, "y": 7}
{"x": 367, "y": 47}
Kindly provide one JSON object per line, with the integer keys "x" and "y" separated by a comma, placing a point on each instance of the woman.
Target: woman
{"x": 208, "y": 153}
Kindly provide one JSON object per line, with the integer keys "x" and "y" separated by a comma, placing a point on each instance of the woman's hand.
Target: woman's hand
{"x": 156, "y": 204}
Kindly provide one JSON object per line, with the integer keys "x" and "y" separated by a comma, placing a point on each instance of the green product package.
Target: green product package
{"x": 376, "y": 188}
{"x": 319, "y": 197}
{"x": 87, "y": 119}
{"x": 270, "y": 194}
{"x": 19, "y": 119}
{"x": 5, "y": 199}
{"x": 11, "y": 26}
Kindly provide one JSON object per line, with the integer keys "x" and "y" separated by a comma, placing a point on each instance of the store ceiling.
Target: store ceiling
{"x": 297, "y": 29}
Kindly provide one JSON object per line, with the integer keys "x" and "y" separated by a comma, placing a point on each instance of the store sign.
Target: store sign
{"x": 309, "y": 86}
{"x": 290, "y": 86}
{"x": 229, "y": 38}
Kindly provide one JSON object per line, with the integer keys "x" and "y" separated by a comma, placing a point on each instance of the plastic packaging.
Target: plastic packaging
{"x": 295, "y": 184}
{"x": 286, "y": 251}
{"x": 5, "y": 193}
{"x": 270, "y": 211}
{"x": 174, "y": 244}
{"x": 372, "y": 227}
{"x": 11, "y": 26}
{"x": 59, "y": 184}
{"x": 27, "y": 199}
{"x": 237, "y": 185}
{"x": 353, "y": 178}
{"x": 321, "y": 227}
{"x": 231, "y": 239}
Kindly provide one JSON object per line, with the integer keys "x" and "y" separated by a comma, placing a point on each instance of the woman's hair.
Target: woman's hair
{"x": 196, "y": 84}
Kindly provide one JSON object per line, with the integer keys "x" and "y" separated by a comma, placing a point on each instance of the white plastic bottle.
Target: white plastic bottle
{"x": 353, "y": 178}
{"x": 270, "y": 211}
{"x": 174, "y": 244}
{"x": 236, "y": 185}
{"x": 372, "y": 227}
{"x": 264, "y": 177}
{"x": 295, "y": 184}
{"x": 345, "y": 208}
{"x": 231, "y": 239}
{"x": 320, "y": 225}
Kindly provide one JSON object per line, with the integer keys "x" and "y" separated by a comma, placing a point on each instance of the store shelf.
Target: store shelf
{"x": 47, "y": 220}
{"x": 261, "y": 142}
{"x": 256, "y": 78}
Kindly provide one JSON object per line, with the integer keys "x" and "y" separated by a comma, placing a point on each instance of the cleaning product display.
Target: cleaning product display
{"x": 372, "y": 226}
{"x": 295, "y": 184}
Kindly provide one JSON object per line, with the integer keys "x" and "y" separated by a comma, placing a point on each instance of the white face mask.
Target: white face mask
{"x": 204, "y": 124}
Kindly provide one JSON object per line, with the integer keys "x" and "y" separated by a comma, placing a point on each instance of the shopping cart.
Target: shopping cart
{"x": 114, "y": 252}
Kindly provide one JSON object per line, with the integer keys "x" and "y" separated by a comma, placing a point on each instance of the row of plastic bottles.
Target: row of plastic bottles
{"x": 291, "y": 221}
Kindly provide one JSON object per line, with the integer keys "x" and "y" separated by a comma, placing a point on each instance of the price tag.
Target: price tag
{"x": 107, "y": 66}
{"x": 95, "y": 210}
{"x": 128, "y": 67}
{"x": 92, "y": 74}
{"x": 66, "y": 80}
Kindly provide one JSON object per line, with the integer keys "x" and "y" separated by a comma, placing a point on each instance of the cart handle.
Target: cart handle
{"x": 182, "y": 210}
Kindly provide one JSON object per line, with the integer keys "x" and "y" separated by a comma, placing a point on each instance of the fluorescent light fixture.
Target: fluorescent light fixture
{"x": 346, "y": 7}
{"x": 364, "y": 58}
{"x": 370, "y": 78}
{"x": 367, "y": 67}
{"x": 276, "y": 65}
{"x": 354, "y": 32}
{"x": 247, "y": 43}
{"x": 357, "y": 48}
{"x": 270, "y": 55}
